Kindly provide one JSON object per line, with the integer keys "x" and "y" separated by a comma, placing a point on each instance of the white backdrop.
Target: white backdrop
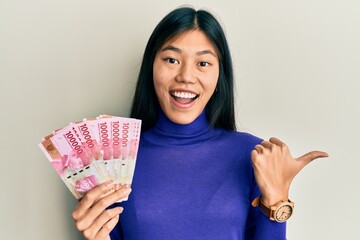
{"x": 297, "y": 72}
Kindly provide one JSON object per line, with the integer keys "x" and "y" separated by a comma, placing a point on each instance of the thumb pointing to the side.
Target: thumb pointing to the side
{"x": 310, "y": 156}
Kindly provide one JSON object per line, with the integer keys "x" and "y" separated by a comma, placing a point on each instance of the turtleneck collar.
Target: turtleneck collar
{"x": 168, "y": 133}
{"x": 199, "y": 125}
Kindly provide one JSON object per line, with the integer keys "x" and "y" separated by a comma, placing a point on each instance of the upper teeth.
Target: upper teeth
{"x": 184, "y": 95}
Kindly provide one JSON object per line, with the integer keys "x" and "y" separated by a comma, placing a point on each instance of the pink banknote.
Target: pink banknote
{"x": 88, "y": 153}
{"x": 71, "y": 148}
{"x": 130, "y": 136}
{"x": 58, "y": 162}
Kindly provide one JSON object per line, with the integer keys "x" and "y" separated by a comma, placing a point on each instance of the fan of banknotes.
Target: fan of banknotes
{"x": 88, "y": 153}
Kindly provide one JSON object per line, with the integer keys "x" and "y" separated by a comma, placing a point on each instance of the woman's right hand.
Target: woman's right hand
{"x": 91, "y": 215}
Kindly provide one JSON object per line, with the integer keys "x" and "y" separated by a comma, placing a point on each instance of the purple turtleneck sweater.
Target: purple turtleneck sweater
{"x": 194, "y": 182}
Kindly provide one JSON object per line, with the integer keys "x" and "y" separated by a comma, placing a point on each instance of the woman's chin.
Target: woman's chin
{"x": 182, "y": 117}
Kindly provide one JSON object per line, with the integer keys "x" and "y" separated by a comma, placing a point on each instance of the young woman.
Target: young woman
{"x": 196, "y": 177}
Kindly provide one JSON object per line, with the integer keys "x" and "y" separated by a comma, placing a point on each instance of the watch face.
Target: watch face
{"x": 283, "y": 213}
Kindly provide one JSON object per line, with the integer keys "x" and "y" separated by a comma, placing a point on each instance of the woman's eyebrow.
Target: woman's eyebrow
{"x": 178, "y": 50}
{"x": 206, "y": 52}
{"x": 171, "y": 48}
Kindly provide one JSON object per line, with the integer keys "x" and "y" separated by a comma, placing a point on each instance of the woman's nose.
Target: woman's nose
{"x": 186, "y": 74}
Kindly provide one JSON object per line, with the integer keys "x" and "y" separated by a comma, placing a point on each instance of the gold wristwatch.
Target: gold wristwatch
{"x": 280, "y": 212}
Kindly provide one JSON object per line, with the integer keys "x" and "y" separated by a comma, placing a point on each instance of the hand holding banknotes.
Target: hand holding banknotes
{"x": 96, "y": 159}
{"x": 275, "y": 168}
{"x": 91, "y": 215}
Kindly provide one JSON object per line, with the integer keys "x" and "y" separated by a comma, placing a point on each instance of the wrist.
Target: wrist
{"x": 270, "y": 200}
{"x": 280, "y": 212}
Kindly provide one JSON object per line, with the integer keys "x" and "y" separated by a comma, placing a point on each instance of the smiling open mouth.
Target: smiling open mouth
{"x": 183, "y": 97}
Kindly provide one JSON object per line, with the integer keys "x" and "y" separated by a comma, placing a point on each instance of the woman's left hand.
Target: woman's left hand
{"x": 275, "y": 168}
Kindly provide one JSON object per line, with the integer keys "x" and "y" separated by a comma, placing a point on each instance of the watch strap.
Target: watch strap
{"x": 257, "y": 202}
{"x": 267, "y": 210}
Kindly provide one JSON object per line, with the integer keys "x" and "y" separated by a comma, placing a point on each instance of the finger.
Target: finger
{"x": 107, "y": 228}
{"x": 106, "y": 216}
{"x": 310, "y": 156}
{"x": 88, "y": 218}
{"x": 277, "y": 141}
{"x": 90, "y": 198}
{"x": 254, "y": 155}
{"x": 100, "y": 221}
{"x": 259, "y": 148}
{"x": 266, "y": 144}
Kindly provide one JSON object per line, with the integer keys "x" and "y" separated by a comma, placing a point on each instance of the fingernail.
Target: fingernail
{"x": 126, "y": 190}
{"x": 110, "y": 183}
{"x": 121, "y": 210}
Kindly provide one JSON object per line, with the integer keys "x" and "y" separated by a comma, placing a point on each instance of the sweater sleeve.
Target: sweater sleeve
{"x": 259, "y": 226}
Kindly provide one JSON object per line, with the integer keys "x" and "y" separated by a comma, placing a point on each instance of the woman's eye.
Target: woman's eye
{"x": 171, "y": 60}
{"x": 203, "y": 64}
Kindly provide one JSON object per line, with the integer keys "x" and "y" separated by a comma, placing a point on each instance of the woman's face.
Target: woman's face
{"x": 185, "y": 72}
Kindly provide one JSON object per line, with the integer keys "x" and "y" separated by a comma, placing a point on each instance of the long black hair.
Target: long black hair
{"x": 220, "y": 108}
